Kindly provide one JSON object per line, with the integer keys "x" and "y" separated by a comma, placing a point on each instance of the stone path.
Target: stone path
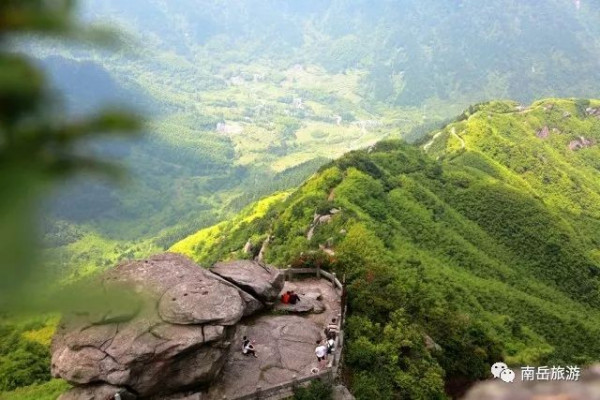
{"x": 285, "y": 344}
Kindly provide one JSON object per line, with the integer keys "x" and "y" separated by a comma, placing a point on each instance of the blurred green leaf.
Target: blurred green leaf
{"x": 40, "y": 146}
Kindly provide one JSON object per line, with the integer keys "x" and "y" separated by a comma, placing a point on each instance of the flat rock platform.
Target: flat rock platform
{"x": 285, "y": 342}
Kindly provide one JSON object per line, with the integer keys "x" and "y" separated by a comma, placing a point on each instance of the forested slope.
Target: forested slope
{"x": 483, "y": 240}
{"x": 411, "y": 51}
{"x": 249, "y": 97}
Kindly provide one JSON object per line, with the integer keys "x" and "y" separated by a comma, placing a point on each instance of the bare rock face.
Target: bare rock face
{"x": 171, "y": 340}
{"x": 206, "y": 301}
{"x": 593, "y": 111}
{"x": 251, "y": 304}
{"x": 580, "y": 143}
{"x": 263, "y": 282}
{"x": 543, "y": 133}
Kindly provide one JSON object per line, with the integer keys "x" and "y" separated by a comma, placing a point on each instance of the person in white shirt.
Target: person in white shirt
{"x": 321, "y": 351}
{"x": 248, "y": 347}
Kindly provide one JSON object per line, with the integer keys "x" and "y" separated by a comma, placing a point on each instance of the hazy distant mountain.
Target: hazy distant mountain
{"x": 85, "y": 84}
{"x": 412, "y": 50}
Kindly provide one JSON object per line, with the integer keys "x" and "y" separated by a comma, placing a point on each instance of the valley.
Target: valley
{"x": 251, "y": 102}
{"x": 443, "y": 158}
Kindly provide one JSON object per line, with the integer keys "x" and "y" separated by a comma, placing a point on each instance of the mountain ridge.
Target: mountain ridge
{"x": 469, "y": 246}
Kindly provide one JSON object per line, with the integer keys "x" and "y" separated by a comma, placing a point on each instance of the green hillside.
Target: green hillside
{"x": 249, "y": 97}
{"x": 485, "y": 239}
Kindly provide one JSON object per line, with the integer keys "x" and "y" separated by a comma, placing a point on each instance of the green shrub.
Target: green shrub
{"x": 317, "y": 390}
{"x": 22, "y": 362}
{"x": 45, "y": 391}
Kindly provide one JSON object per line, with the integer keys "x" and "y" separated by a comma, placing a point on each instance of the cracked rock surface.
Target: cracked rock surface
{"x": 285, "y": 344}
{"x": 262, "y": 281}
{"x": 174, "y": 339}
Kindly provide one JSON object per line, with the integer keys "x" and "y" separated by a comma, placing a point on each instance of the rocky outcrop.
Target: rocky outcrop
{"x": 310, "y": 233}
{"x": 263, "y": 249}
{"x": 327, "y": 248}
{"x": 549, "y": 107}
{"x": 321, "y": 219}
{"x": 594, "y": 112}
{"x": 208, "y": 301}
{"x": 580, "y": 143}
{"x": 182, "y": 396}
{"x": 248, "y": 247}
{"x": 543, "y": 133}
{"x": 172, "y": 338}
{"x": 261, "y": 281}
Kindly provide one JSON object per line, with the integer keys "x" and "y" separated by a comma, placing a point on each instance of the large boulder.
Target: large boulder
{"x": 172, "y": 338}
{"x": 202, "y": 302}
{"x": 262, "y": 281}
{"x": 251, "y": 303}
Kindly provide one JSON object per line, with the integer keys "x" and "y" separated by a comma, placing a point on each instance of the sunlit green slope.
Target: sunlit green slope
{"x": 485, "y": 238}
{"x": 250, "y": 97}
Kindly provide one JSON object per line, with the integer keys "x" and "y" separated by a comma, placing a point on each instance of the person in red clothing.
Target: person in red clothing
{"x": 294, "y": 298}
{"x": 285, "y": 298}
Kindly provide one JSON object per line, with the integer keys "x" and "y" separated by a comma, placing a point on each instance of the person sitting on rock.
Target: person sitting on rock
{"x": 294, "y": 298}
{"x": 321, "y": 351}
{"x": 285, "y": 298}
{"x": 248, "y": 347}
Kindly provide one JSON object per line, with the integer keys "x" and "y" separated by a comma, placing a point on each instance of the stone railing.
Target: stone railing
{"x": 290, "y": 273}
{"x": 286, "y": 389}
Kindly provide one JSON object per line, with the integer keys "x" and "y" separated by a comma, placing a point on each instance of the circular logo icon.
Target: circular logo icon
{"x": 498, "y": 368}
